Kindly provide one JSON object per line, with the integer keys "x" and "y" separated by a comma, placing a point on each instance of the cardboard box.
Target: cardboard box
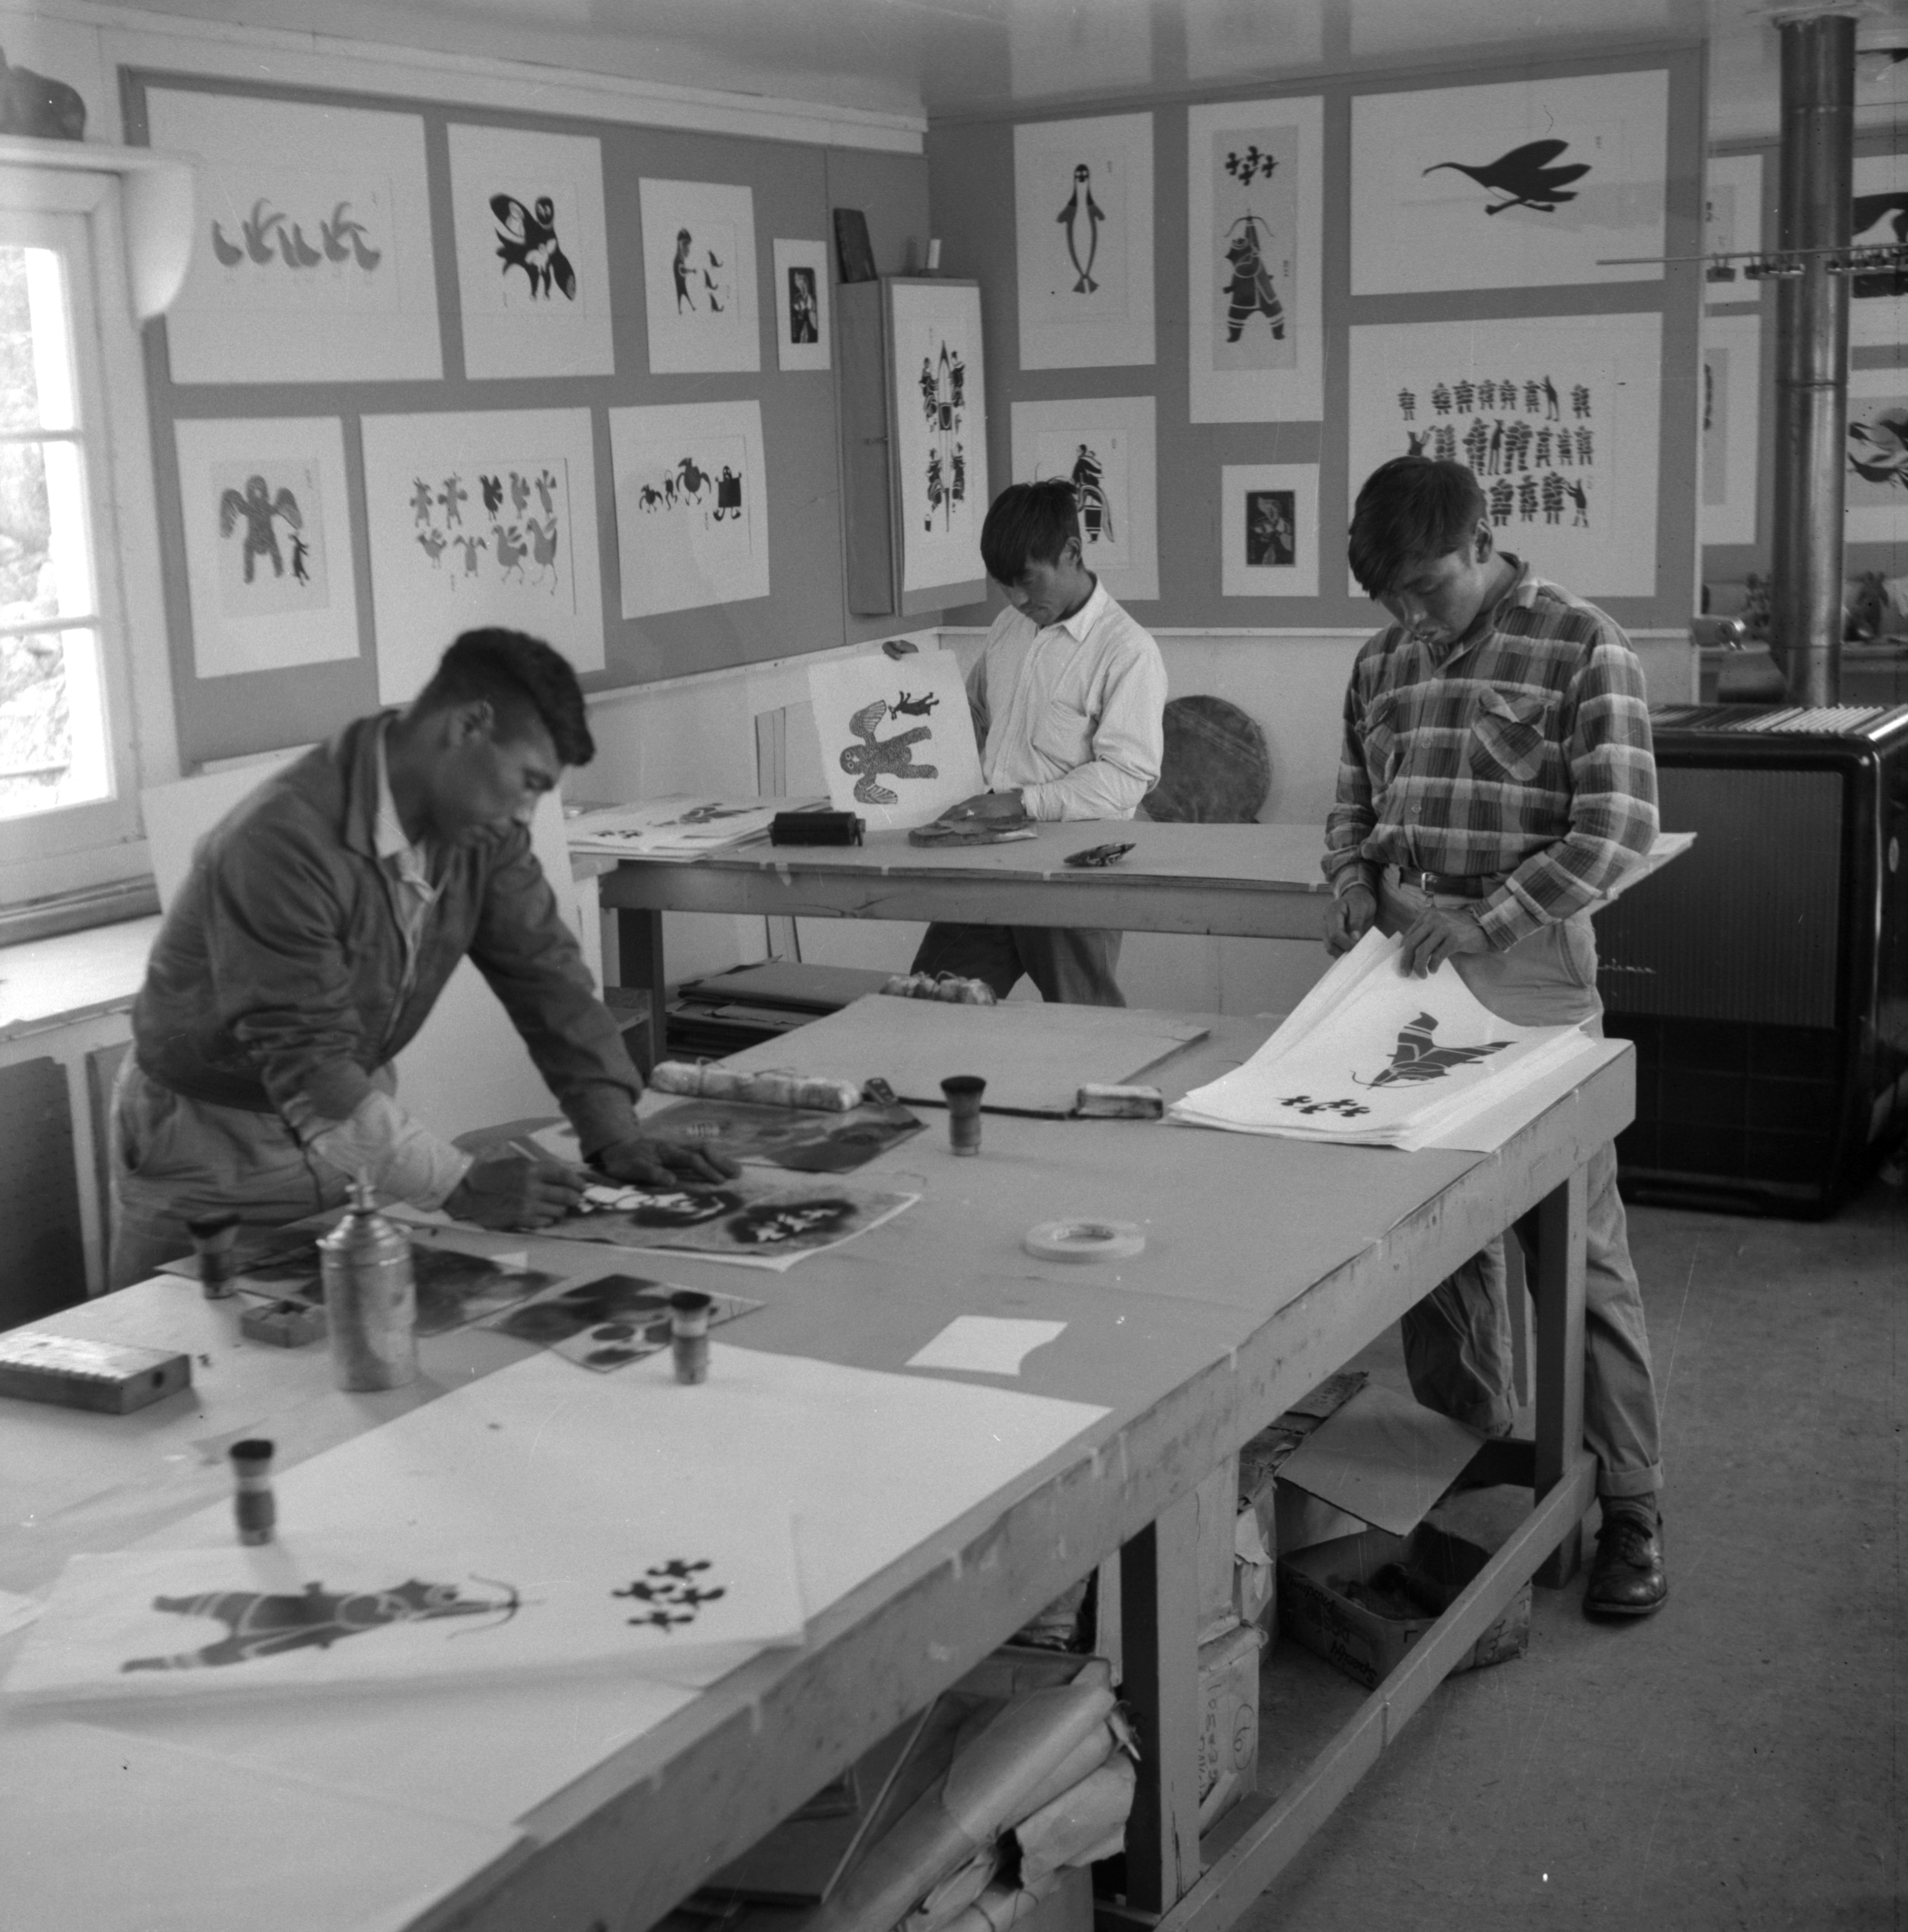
{"x": 1229, "y": 1722}
{"x": 1217, "y": 1500}
{"x": 1366, "y": 1646}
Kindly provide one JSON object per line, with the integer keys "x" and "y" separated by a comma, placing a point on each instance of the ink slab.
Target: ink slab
{"x": 114, "y": 1377}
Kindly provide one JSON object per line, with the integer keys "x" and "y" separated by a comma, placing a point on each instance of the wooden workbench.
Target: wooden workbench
{"x": 1269, "y": 1264}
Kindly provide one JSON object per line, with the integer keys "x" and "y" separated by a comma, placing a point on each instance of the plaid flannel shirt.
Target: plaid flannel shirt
{"x": 1525, "y": 753}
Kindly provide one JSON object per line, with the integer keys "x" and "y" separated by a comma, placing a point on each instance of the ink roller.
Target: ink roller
{"x": 817, "y": 828}
{"x": 1098, "y": 1102}
{"x": 704, "y": 1082}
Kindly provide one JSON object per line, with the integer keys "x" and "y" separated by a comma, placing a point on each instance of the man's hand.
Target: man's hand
{"x": 1437, "y": 934}
{"x": 655, "y": 1163}
{"x": 1350, "y": 918}
{"x": 989, "y": 805}
{"x": 516, "y": 1190}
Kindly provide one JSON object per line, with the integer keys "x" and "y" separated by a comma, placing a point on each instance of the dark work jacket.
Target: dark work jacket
{"x": 278, "y": 975}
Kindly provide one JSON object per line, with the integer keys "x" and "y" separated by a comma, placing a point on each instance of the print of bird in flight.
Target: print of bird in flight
{"x": 1416, "y": 1057}
{"x": 1525, "y": 176}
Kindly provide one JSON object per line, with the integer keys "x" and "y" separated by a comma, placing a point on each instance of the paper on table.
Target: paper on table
{"x": 16, "y": 1611}
{"x": 991, "y": 1344}
{"x": 118, "y": 1833}
{"x": 1382, "y": 1456}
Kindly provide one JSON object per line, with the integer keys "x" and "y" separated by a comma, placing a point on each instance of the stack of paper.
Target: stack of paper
{"x": 1372, "y": 1058}
{"x": 679, "y": 828}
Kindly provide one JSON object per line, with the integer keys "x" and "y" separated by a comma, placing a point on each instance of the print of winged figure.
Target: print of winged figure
{"x": 261, "y": 510}
{"x": 1878, "y": 448}
{"x": 1082, "y": 211}
{"x": 1525, "y": 176}
{"x": 258, "y": 1624}
{"x": 526, "y": 239}
{"x": 1417, "y": 1058}
{"x": 1249, "y": 287}
{"x": 875, "y": 758}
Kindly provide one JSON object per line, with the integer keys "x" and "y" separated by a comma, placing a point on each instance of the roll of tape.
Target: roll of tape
{"x": 1084, "y": 1241}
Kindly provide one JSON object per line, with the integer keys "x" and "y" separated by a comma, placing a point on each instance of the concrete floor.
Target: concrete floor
{"x": 1740, "y": 1759}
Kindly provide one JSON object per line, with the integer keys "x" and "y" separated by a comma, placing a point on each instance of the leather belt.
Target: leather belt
{"x": 1461, "y": 885}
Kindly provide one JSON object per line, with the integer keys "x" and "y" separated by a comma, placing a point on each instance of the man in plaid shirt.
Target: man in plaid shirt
{"x": 1496, "y": 781}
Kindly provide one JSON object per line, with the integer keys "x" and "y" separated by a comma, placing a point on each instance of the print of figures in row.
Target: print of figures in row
{"x": 1532, "y": 445}
{"x": 511, "y": 525}
{"x": 944, "y": 408}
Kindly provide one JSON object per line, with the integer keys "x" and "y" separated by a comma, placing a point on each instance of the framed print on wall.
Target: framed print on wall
{"x": 1105, "y": 447}
{"x": 1732, "y": 423}
{"x": 699, "y": 277}
{"x": 1269, "y": 529}
{"x": 1256, "y": 199}
{"x": 938, "y": 414}
{"x": 803, "y": 321}
{"x": 1876, "y": 482}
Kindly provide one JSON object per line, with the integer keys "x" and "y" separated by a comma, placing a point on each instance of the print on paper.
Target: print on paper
{"x": 1254, "y": 235}
{"x": 1731, "y": 426}
{"x": 528, "y": 244}
{"x": 271, "y": 523}
{"x": 940, "y": 440}
{"x": 874, "y": 762}
{"x": 1535, "y": 176}
{"x": 479, "y": 519}
{"x": 691, "y": 520}
{"x": 311, "y": 258}
{"x": 1104, "y": 447}
{"x": 1732, "y": 225}
{"x": 897, "y": 742}
{"x": 1269, "y": 540}
{"x": 1096, "y": 464}
{"x": 699, "y": 270}
{"x": 608, "y": 1323}
{"x": 1269, "y": 536}
{"x": 802, "y": 288}
{"x": 1875, "y": 483}
{"x": 1418, "y": 1056}
{"x": 1084, "y": 226}
{"x": 942, "y": 482}
{"x": 804, "y": 307}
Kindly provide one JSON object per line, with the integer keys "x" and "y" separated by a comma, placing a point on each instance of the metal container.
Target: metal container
{"x": 370, "y": 1298}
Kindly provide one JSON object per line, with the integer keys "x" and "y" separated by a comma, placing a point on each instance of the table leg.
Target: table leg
{"x": 639, "y": 964}
{"x": 1158, "y": 1640}
{"x": 1557, "y": 1284}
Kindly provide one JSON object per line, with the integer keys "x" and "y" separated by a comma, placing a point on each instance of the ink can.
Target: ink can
{"x": 689, "y": 1323}
{"x": 253, "y": 1502}
{"x": 214, "y": 1237}
{"x": 370, "y": 1298}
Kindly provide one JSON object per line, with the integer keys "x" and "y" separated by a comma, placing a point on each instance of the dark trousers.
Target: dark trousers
{"x": 1073, "y": 964}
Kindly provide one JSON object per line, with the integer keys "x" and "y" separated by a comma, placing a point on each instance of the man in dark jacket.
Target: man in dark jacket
{"x": 322, "y": 918}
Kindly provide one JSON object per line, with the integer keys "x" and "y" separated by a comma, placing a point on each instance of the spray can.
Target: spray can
{"x": 370, "y": 1298}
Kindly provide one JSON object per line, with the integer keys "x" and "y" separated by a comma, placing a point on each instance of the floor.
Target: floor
{"x": 1737, "y": 1760}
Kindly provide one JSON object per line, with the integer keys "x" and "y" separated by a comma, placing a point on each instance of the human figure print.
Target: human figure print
{"x": 1579, "y": 496}
{"x": 1088, "y": 477}
{"x": 1269, "y": 543}
{"x": 262, "y": 510}
{"x": 526, "y": 239}
{"x": 875, "y": 758}
{"x": 452, "y": 498}
{"x": 422, "y": 500}
{"x": 1248, "y": 288}
{"x": 300, "y": 552}
{"x": 470, "y": 543}
{"x": 804, "y": 310}
{"x": 728, "y": 494}
{"x": 679, "y": 268}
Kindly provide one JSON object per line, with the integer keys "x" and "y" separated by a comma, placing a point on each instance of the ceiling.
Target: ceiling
{"x": 946, "y": 58}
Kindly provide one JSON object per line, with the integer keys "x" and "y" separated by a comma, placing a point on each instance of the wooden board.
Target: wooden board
{"x": 1034, "y": 1058}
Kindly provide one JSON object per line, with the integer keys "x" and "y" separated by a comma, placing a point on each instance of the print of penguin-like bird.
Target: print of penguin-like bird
{"x": 1524, "y": 174}
{"x": 1082, "y": 207}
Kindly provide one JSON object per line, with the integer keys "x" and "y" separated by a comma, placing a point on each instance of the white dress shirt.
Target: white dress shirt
{"x": 1070, "y": 715}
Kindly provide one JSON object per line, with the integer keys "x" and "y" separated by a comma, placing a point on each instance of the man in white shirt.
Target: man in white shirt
{"x": 1067, "y": 699}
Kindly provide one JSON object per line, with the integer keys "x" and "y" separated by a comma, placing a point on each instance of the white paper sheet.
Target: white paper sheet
{"x": 897, "y": 738}
{"x": 990, "y": 1344}
{"x": 1731, "y": 426}
{"x": 311, "y": 258}
{"x": 938, "y": 412}
{"x": 268, "y": 544}
{"x": 1255, "y": 187}
{"x": 699, "y": 277}
{"x": 686, "y": 826}
{"x": 1731, "y": 222}
{"x": 1083, "y": 225}
{"x": 1559, "y": 416}
{"x": 533, "y": 267}
{"x": 119, "y": 1833}
{"x": 488, "y": 517}
{"x": 804, "y": 328}
{"x": 691, "y": 505}
{"x": 1105, "y": 447}
{"x": 1421, "y": 219}
{"x": 1269, "y": 533}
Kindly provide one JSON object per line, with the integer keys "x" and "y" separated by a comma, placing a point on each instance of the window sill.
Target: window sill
{"x": 78, "y": 912}
{"x": 78, "y": 976}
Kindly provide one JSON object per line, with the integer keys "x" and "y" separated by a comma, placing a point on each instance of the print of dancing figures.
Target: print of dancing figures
{"x": 1532, "y": 441}
{"x": 508, "y": 531}
{"x": 694, "y": 485}
{"x": 1255, "y": 212}
{"x": 944, "y": 406}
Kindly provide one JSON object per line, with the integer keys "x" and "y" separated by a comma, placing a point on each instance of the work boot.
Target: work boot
{"x": 1627, "y": 1579}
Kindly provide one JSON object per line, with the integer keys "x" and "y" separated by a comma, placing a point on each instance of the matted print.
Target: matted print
{"x": 311, "y": 258}
{"x": 1875, "y": 484}
{"x": 699, "y": 277}
{"x": 939, "y": 411}
{"x": 1083, "y": 224}
{"x": 1255, "y": 335}
{"x": 1269, "y": 529}
{"x": 1731, "y": 424}
{"x": 1732, "y": 225}
{"x": 803, "y": 322}
{"x": 268, "y": 544}
{"x": 896, "y": 738}
{"x": 1559, "y": 418}
{"x": 533, "y": 267}
{"x": 1104, "y": 446}
{"x": 1878, "y": 298}
{"x": 1518, "y": 184}
{"x": 482, "y": 517}
{"x": 692, "y": 513}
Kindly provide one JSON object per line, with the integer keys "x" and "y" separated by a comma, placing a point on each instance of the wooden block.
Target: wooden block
{"x": 113, "y": 1377}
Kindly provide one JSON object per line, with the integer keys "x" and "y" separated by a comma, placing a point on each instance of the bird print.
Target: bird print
{"x": 874, "y": 758}
{"x": 1525, "y": 176}
{"x": 1082, "y": 209}
{"x": 1417, "y": 1057}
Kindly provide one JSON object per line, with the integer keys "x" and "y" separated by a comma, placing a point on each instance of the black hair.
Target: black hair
{"x": 1028, "y": 522}
{"x": 1411, "y": 509}
{"x": 520, "y": 677}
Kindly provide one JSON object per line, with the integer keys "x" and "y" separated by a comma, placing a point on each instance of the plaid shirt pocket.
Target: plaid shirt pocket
{"x": 1508, "y": 735}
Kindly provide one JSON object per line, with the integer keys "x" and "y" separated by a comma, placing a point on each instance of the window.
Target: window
{"x": 73, "y": 450}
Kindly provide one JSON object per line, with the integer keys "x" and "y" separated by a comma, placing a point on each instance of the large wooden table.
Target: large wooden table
{"x": 1269, "y": 1264}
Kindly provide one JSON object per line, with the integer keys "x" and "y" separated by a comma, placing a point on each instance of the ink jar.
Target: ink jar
{"x": 370, "y": 1297}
